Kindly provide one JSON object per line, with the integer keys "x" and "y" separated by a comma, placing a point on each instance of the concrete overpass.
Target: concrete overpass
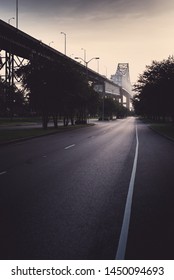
{"x": 19, "y": 47}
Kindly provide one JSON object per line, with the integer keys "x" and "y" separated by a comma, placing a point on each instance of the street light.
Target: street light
{"x": 51, "y": 43}
{"x": 87, "y": 62}
{"x": 65, "y": 40}
{"x": 84, "y": 54}
{"x": 106, "y": 71}
{"x": 10, "y": 19}
{"x": 98, "y": 66}
{"x": 16, "y": 13}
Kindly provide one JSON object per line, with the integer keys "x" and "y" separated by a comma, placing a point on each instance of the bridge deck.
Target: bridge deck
{"x": 23, "y": 45}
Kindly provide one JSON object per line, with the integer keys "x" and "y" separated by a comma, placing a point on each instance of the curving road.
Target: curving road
{"x": 63, "y": 196}
{"x": 151, "y": 232}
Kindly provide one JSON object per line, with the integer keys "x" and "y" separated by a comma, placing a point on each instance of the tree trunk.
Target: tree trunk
{"x": 55, "y": 119}
{"x": 45, "y": 120}
{"x": 65, "y": 121}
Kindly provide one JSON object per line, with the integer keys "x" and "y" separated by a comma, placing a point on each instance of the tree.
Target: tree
{"x": 12, "y": 101}
{"x": 154, "y": 90}
{"x": 56, "y": 89}
{"x": 112, "y": 108}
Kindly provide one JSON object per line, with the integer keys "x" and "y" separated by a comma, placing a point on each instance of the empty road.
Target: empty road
{"x": 63, "y": 196}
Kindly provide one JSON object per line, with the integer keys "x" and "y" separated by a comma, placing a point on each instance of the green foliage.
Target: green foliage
{"x": 57, "y": 89}
{"x": 154, "y": 96}
{"x": 112, "y": 108}
{"x": 12, "y": 101}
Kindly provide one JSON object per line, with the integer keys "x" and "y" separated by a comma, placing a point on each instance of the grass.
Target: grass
{"x": 165, "y": 129}
{"x": 19, "y": 121}
{"x": 12, "y": 134}
{"x": 8, "y": 135}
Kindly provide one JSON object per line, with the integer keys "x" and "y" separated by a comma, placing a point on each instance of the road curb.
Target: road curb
{"x": 4, "y": 143}
{"x": 25, "y": 139}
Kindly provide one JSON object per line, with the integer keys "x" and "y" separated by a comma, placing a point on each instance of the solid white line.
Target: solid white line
{"x": 127, "y": 213}
{"x": 68, "y": 147}
{"x": 3, "y": 172}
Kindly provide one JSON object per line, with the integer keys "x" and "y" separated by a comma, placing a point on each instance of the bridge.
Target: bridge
{"x": 19, "y": 48}
{"x": 122, "y": 79}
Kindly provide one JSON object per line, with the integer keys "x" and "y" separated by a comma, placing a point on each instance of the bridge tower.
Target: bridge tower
{"x": 122, "y": 79}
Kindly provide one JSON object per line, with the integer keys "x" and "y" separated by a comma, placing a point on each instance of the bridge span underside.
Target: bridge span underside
{"x": 19, "y": 47}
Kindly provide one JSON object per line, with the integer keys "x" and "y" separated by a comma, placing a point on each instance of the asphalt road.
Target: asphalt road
{"x": 151, "y": 232}
{"x": 63, "y": 196}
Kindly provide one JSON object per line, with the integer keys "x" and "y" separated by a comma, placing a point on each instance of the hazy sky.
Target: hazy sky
{"x": 131, "y": 31}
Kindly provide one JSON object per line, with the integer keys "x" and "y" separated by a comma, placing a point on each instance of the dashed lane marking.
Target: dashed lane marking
{"x": 3, "y": 172}
{"x": 70, "y": 146}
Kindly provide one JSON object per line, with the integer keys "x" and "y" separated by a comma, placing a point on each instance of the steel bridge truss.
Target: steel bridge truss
{"x": 8, "y": 66}
{"x": 9, "y": 63}
{"x": 18, "y": 48}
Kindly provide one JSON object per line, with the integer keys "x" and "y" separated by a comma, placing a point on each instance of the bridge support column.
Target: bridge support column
{"x": 125, "y": 95}
{"x": 128, "y": 102}
{"x": 121, "y": 97}
{"x": 9, "y": 79}
{"x": 103, "y": 104}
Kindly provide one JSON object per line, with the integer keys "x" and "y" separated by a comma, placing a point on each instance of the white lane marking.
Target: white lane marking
{"x": 3, "y": 172}
{"x": 127, "y": 213}
{"x": 68, "y": 147}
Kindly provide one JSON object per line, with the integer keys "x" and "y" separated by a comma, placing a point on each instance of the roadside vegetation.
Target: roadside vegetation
{"x": 153, "y": 100}
{"x": 52, "y": 90}
{"x": 163, "y": 128}
{"x": 154, "y": 96}
{"x": 166, "y": 129}
{"x": 14, "y": 134}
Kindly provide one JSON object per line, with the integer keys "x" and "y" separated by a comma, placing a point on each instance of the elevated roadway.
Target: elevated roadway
{"x": 18, "y": 43}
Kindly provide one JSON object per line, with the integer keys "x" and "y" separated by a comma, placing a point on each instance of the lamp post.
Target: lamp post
{"x": 51, "y": 43}
{"x": 17, "y": 13}
{"x": 106, "y": 70}
{"x": 10, "y": 19}
{"x": 87, "y": 62}
{"x": 65, "y": 40}
{"x": 84, "y": 54}
{"x": 98, "y": 66}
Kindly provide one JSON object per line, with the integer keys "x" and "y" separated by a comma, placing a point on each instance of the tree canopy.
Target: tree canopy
{"x": 154, "y": 89}
{"x": 12, "y": 100}
{"x": 57, "y": 89}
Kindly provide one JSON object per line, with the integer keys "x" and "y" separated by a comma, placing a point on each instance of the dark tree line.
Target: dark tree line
{"x": 58, "y": 90}
{"x": 112, "y": 108}
{"x": 154, "y": 97}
